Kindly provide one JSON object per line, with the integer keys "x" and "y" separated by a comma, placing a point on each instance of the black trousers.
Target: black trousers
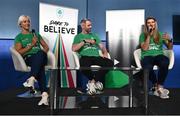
{"x": 37, "y": 63}
{"x": 162, "y": 62}
{"x": 87, "y": 61}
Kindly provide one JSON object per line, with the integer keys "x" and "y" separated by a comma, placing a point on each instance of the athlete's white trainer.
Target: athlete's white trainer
{"x": 99, "y": 86}
{"x": 44, "y": 100}
{"x": 91, "y": 88}
{"x": 30, "y": 82}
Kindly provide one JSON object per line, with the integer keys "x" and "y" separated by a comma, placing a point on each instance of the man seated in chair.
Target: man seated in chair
{"x": 88, "y": 44}
{"x": 151, "y": 41}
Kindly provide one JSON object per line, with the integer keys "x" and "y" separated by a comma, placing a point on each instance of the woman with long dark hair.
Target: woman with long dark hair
{"x": 151, "y": 42}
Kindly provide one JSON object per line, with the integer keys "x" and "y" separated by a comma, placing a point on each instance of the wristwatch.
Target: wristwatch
{"x": 84, "y": 41}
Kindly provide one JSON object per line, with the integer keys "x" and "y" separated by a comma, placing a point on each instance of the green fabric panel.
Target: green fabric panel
{"x": 116, "y": 79}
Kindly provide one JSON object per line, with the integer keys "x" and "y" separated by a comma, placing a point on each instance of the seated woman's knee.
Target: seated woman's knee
{"x": 164, "y": 62}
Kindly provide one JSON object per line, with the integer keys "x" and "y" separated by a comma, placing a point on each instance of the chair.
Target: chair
{"x": 137, "y": 57}
{"x": 168, "y": 53}
{"x": 20, "y": 65}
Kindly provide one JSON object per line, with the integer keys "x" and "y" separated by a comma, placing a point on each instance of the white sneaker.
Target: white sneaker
{"x": 166, "y": 91}
{"x": 91, "y": 88}
{"x": 162, "y": 93}
{"x": 44, "y": 100}
{"x": 30, "y": 82}
{"x": 99, "y": 86}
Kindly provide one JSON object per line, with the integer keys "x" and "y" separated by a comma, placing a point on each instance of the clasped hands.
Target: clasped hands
{"x": 91, "y": 41}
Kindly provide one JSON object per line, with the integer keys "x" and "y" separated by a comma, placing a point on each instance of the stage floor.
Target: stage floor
{"x": 112, "y": 101}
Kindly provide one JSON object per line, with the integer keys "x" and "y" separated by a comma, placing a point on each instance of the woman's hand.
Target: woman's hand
{"x": 168, "y": 41}
{"x": 34, "y": 41}
{"x": 44, "y": 45}
{"x": 166, "y": 36}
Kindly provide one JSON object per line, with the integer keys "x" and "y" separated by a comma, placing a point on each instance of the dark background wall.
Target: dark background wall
{"x": 162, "y": 10}
{"x": 10, "y": 10}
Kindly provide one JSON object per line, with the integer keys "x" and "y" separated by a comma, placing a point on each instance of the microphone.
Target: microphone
{"x": 34, "y": 34}
{"x": 150, "y": 29}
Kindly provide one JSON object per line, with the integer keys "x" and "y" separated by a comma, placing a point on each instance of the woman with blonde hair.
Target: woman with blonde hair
{"x": 28, "y": 43}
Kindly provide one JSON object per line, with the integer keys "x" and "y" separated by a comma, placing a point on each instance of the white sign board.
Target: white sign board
{"x": 58, "y": 25}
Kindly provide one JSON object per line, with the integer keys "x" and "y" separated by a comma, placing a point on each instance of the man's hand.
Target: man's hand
{"x": 91, "y": 41}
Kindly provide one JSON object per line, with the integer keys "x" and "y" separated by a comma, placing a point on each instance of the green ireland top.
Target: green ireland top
{"x": 88, "y": 49}
{"x": 154, "y": 49}
{"x": 26, "y": 39}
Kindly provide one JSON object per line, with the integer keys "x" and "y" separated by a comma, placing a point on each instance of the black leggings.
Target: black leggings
{"x": 162, "y": 62}
{"x": 37, "y": 63}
